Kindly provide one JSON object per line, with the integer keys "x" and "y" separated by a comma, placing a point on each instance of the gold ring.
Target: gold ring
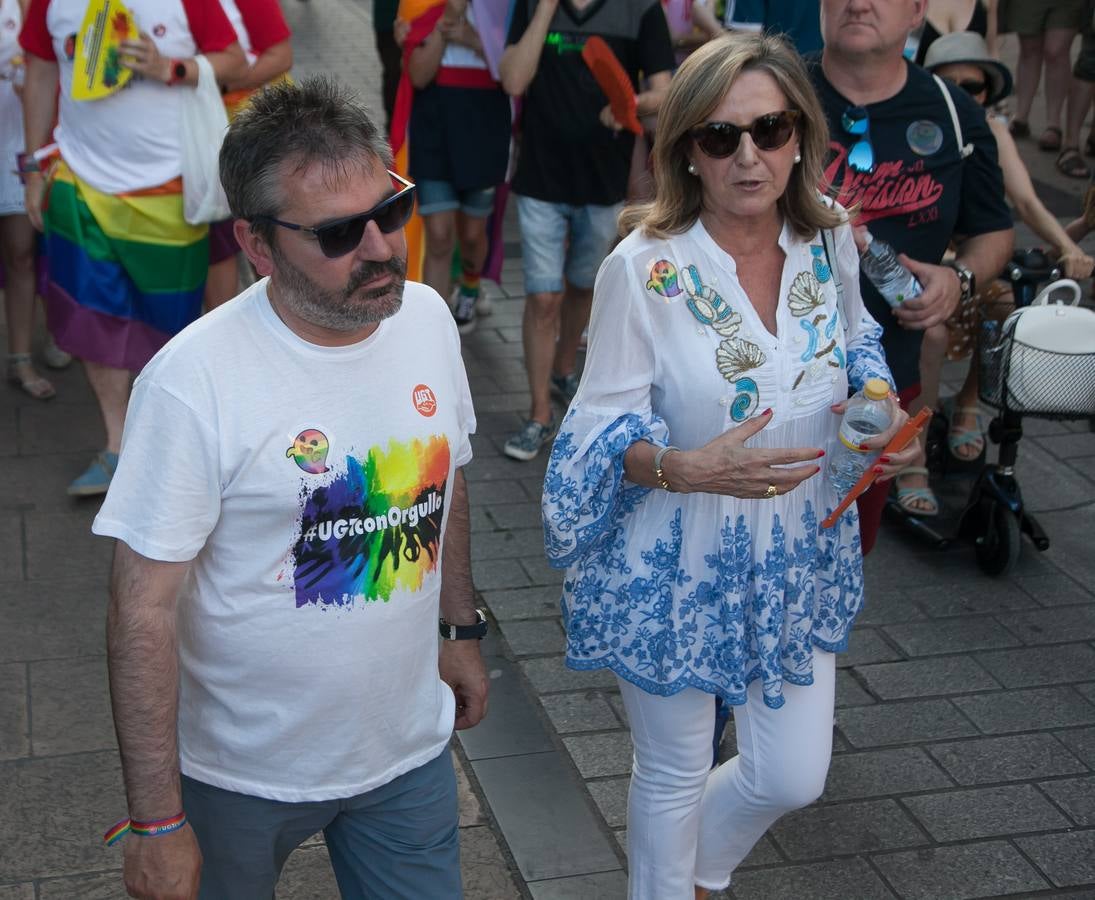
{"x": 771, "y": 492}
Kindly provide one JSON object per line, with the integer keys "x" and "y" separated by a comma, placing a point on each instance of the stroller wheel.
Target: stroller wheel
{"x": 997, "y": 547}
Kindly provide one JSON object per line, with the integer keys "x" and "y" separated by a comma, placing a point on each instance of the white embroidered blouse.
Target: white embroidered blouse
{"x": 699, "y": 590}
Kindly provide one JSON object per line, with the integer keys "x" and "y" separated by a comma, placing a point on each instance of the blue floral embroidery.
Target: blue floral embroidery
{"x": 822, "y": 272}
{"x": 866, "y": 359}
{"x": 642, "y": 614}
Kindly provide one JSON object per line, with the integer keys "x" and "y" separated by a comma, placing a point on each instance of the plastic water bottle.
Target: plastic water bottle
{"x": 867, "y": 415}
{"x": 895, "y": 283}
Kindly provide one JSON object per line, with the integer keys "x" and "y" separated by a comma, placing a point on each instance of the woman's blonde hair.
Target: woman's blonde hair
{"x": 696, "y": 90}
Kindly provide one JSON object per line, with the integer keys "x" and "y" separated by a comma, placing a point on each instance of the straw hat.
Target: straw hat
{"x": 969, "y": 47}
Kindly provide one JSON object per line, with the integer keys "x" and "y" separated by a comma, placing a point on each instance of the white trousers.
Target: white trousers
{"x": 688, "y": 825}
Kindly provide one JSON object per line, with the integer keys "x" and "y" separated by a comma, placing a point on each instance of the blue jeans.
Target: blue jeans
{"x": 558, "y": 239}
{"x": 396, "y": 842}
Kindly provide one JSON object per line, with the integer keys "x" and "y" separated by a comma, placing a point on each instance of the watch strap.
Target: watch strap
{"x": 451, "y": 632}
{"x": 659, "y": 472}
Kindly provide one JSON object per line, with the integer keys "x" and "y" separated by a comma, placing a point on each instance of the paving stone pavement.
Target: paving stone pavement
{"x": 964, "y": 758}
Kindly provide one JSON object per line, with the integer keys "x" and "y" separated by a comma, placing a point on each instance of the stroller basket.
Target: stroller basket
{"x": 1019, "y": 378}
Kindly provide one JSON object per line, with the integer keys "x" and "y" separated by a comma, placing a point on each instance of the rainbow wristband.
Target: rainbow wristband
{"x": 144, "y": 829}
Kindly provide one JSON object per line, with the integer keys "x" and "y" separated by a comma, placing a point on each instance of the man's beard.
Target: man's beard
{"x": 349, "y": 309}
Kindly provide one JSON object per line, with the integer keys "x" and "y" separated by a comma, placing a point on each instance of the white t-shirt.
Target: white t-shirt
{"x": 130, "y": 140}
{"x": 308, "y": 626}
{"x": 11, "y": 110}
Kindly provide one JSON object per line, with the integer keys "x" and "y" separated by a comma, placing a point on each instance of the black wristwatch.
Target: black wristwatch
{"x": 477, "y": 632}
{"x": 966, "y": 279}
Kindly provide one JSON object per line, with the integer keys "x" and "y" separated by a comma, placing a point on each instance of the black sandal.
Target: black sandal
{"x": 1050, "y": 141}
{"x": 1019, "y": 128}
{"x": 1070, "y": 163}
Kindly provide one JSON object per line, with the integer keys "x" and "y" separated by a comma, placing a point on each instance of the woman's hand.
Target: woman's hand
{"x": 888, "y": 465}
{"x": 726, "y": 466}
{"x": 143, "y": 57}
{"x": 460, "y": 32}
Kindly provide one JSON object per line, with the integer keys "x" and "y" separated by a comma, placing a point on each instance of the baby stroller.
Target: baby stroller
{"x": 1040, "y": 362}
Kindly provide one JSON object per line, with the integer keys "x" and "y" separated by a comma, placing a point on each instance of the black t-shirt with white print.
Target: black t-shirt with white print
{"x": 922, "y": 193}
{"x": 567, "y": 155}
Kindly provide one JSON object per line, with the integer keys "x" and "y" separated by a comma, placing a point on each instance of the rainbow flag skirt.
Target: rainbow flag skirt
{"x": 126, "y": 271}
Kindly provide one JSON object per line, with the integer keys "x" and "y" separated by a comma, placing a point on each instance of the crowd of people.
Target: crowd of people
{"x": 283, "y": 553}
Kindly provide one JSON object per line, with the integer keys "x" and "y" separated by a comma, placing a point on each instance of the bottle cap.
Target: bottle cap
{"x": 876, "y": 389}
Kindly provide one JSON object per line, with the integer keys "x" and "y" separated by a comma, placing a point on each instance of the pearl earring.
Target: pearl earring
{"x": 798, "y": 157}
{"x": 691, "y": 168}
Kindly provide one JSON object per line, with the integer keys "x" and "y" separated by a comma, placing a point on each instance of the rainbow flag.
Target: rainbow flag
{"x": 126, "y": 271}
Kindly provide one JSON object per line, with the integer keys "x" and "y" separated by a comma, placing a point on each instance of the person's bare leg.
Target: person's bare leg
{"x": 472, "y": 233}
{"x": 1058, "y": 66}
{"x": 577, "y": 303}
{"x": 932, "y": 353}
{"x": 1028, "y": 74}
{"x": 17, "y": 253}
{"x": 1079, "y": 103}
{"x": 111, "y": 388}
{"x": 539, "y": 331}
{"x": 222, "y": 283}
{"x": 440, "y": 239}
{"x": 701, "y": 893}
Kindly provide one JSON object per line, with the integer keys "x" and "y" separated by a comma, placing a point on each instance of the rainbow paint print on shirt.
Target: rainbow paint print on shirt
{"x": 375, "y": 528}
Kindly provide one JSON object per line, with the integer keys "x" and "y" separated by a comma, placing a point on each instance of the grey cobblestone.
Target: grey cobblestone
{"x": 976, "y": 595}
{"x": 535, "y": 637}
{"x": 598, "y": 755}
{"x": 985, "y": 812}
{"x": 819, "y": 832}
{"x": 548, "y": 675}
{"x": 1040, "y": 665}
{"x": 1076, "y": 796}
{"x": 14, "y": 725}
{"x": 512, "y": 544}
{"x": 1068, "y": 859}
{"x": 866, "y": 646}
{"x": 819, "y": 881}
{"x": 580, "y": 711}
{"x": 1020, "y": 757}
{"x": 951, "y": 636}
{"x": 523, "y": 603}
{"x": 1080, "y": 741}
{"x": 879, "y": 773}
{"x": 1055, "y": 590}
{"x": 1027, "y": 710}
{"x": 850, "y": 692}
{"x": 926, "y": 677}
{"x": 495, "y": 574}
{"x": 902, "y": 723}
{"x": 1060, "y": 625}
{"x": 972, "y": 870}
{"x": 610, "y": 795}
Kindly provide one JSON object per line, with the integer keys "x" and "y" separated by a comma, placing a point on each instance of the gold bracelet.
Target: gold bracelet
{"x": 659, "y": 474}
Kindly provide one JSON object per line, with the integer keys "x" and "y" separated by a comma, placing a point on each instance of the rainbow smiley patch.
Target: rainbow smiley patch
{"x": 309, "y": 451}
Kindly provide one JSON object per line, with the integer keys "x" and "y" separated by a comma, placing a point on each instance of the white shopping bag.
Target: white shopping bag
{"x": 202, "y": 129}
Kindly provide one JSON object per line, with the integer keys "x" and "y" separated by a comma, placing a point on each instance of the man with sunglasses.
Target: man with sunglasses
{"x": 292, "y": 526}
{"x": 918, "y": 162}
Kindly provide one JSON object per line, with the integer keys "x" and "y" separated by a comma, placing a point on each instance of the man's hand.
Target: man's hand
{"x": 609, "y": 120}
{"x": 942, "y": 291}
{"x": 461, "y": 667}
{"x": 165, "y": 867}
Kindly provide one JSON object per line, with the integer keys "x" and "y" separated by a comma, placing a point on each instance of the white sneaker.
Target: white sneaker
{"x": 484, "y": 305}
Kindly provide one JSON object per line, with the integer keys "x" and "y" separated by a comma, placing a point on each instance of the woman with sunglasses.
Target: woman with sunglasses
{"x": 683, "y": 493}
{"x": 963, "y": 59}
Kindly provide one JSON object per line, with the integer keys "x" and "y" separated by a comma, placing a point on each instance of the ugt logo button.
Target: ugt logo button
{"x": 424, "y": 400}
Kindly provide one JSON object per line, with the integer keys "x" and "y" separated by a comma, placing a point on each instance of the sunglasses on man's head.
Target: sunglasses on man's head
{"x": 857, "y": 123}
{"x": 340, "y": 236}
{"x": 768, "y": 132}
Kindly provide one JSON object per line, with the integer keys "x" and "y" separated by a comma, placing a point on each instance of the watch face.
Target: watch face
{"x": 180, "y": 71}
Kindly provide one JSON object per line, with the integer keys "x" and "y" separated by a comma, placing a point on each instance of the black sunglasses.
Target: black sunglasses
{"x": 769, "y": 132}
{"x": 340, "y": 236}
{"x": 971, "y": 86}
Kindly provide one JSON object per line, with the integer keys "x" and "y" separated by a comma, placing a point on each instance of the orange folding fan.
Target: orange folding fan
{"x": 613, "y": 80}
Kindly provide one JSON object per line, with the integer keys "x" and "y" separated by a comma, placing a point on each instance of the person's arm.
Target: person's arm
{"x": 650, "y": 101}
{"x": 142, "y": 658}
{"x": 1031, "y": 210}
{"x": 521, "y": 59}
{"x": 426, "y": 59}
{"x": 271, "y": 63}
{"x": 460, "y": 662}
{"x": 704, "y": 18}
{"x": 39, "y": 114}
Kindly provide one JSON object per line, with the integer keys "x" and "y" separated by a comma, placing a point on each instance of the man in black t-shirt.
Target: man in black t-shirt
{"x": 921, "y": 176}
{"x": 571, "y": 174}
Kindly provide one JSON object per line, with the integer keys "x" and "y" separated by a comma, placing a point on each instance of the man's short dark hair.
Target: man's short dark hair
{"x": 315, "y": 121}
